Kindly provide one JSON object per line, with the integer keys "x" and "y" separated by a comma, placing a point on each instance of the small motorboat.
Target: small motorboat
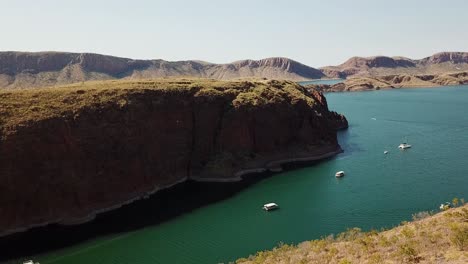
{"x": 339, "y": 174}
{"x": 404, "y": 146}
{"x": 30, "y": 262}
{"x": 270, "y": 206}
{"x": 385, "y": 152}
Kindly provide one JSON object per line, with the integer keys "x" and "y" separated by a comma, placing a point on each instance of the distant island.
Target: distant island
{"x": 42, "y": 69}
{"x": 439, "y": 63}
{"x": 369, "y": 83}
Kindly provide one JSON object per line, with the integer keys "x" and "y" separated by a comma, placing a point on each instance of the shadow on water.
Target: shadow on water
{"x": 160, "y": 207}
{"x": 346, "y": 142}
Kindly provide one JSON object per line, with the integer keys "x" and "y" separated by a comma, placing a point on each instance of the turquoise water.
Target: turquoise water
{"x": 378, "y": 190}
{"x": 322, "y": 81}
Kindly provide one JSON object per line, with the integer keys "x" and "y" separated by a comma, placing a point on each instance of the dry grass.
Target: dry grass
{"x": 20, "y": 107}
{"x": 441, "y": 238}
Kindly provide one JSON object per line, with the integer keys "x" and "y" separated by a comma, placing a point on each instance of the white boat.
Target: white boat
{"x": 30, "y": 262}
{"x": 270, "y": 206}
{"x": 339, "y": 174}
{"x": 445, "y": 206}
{"x": 404, "y": 146}
{"x": 385, "y": 152}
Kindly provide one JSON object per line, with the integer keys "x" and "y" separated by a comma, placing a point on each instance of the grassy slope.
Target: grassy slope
{"x": 441, "y": 238}
{"x": 19, "y": 107}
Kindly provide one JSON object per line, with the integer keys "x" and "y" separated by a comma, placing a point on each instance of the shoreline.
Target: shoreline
{"x": 398, "y": 88}
{"x": 241, "y": 175}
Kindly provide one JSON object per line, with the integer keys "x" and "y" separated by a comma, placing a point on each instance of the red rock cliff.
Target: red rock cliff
{"x": 66, "y": 153}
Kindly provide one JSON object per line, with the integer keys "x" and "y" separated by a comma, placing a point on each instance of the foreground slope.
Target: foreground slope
{"x": 442, "y": 238}
{"x": 37, "y": 69}
{"x": 67, "y": 153}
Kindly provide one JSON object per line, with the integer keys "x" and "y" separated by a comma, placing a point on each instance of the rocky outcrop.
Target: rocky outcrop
{"x": 26, "y": 69}
{"x": 378, "y": 62}
{"x": 68, "y": 153}
{"x": 442, "y": 57}
{"x": 393, "y": 81}
{"x": 444, "y": 62}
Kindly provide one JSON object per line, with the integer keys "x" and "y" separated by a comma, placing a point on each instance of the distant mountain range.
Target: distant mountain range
{"x": 39, "y": 69}
{"x": 444, "y": 62}
{"x": 20, "y": 69}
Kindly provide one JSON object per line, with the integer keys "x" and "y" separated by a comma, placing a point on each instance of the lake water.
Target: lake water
{"x": 378, "y": 190}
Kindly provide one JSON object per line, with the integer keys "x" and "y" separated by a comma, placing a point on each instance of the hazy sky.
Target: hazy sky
{"x": 317, "y": 33}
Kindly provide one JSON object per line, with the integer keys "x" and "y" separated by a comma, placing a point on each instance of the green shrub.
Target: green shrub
{"x": 459, "y": 235}
{"x": 408, "y": 252}
{"x": 350, "y": 234}
{"x": 407, "y": 232}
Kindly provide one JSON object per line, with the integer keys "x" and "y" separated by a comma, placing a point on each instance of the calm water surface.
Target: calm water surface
{"x": 378, "y": 190}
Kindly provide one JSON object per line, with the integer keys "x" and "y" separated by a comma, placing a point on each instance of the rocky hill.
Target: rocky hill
{"x": 444, "y": 62}
{"x": 366, "y": 83}
{"x": 67, "y": 153}
{"x": 40, "y": 69}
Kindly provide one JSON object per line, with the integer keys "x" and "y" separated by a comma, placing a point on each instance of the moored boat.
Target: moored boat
{"x": 270, "y": 206}
{"x": 404, "y": 146}
{"x": 30, "y": 262}
{"x": 339, "y": 174}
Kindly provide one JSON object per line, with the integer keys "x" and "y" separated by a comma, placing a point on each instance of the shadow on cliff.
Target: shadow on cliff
{"x": 162, "y": 206}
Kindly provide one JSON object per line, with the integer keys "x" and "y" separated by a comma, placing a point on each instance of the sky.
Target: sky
{"x": 316, "y": 33}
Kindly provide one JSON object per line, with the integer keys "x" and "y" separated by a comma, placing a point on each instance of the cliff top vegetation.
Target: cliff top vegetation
{"x": 18, "y": 107}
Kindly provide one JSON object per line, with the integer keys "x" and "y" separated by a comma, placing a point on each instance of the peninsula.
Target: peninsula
{"x": 70, "y": 152}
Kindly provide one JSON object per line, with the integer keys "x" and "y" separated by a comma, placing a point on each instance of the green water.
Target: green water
{"x": 378, "y": 190}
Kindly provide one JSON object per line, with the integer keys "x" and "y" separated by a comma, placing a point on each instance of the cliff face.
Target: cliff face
{"x": 68, "y": 152}
{"x": 40, "y": 69}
